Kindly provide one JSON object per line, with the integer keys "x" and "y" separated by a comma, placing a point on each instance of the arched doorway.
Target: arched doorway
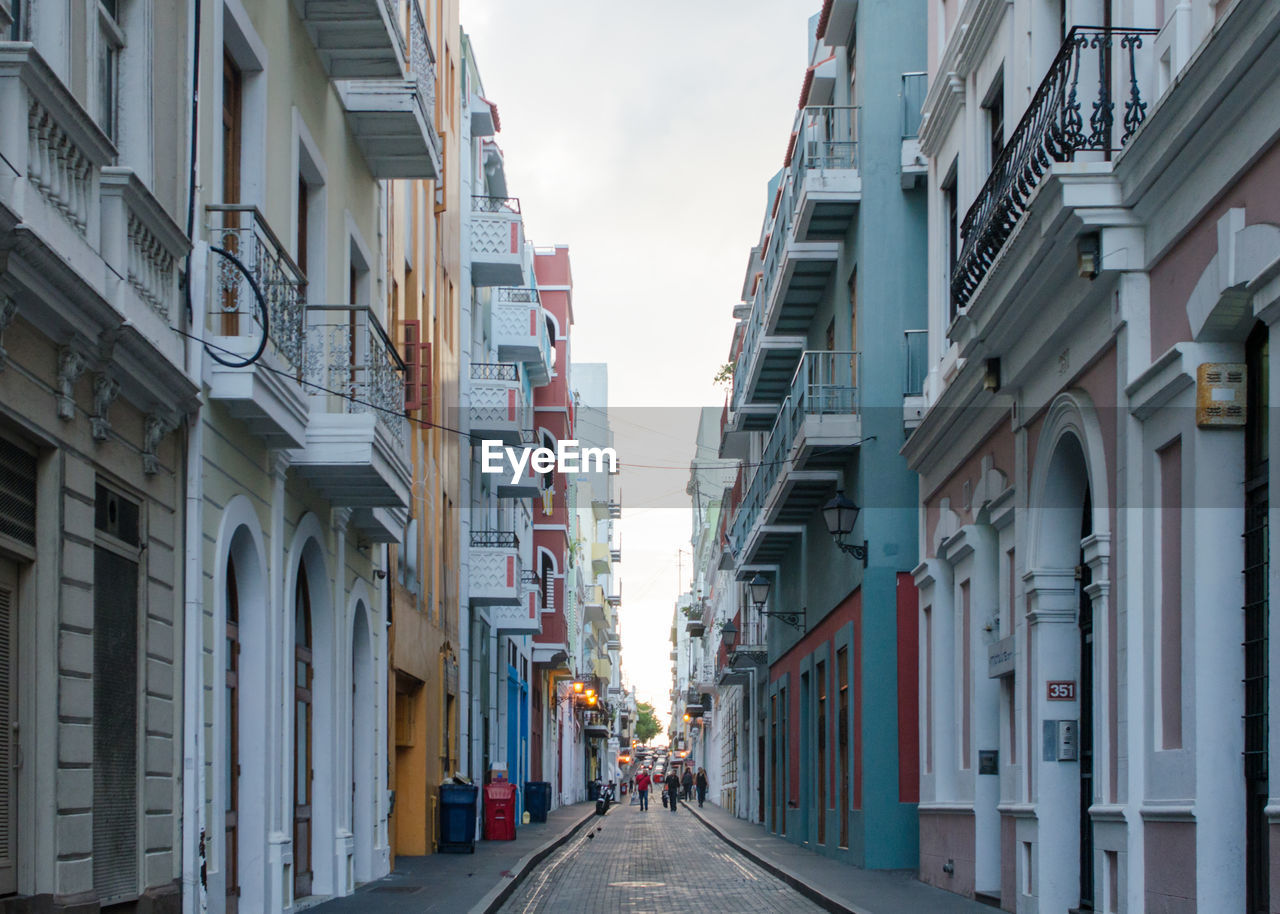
{"x": 240, "y": 599}
{"x": 1065, "y": 558}
{"x": 363, "y": 774}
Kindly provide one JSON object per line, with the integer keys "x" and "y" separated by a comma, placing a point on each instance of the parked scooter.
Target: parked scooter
{"x": 604, "y": 798}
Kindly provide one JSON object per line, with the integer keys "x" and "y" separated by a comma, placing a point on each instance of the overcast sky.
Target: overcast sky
{"x": 642, "y": 135}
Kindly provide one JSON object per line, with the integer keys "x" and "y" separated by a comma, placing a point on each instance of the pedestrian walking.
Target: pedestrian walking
{"x": 700, "y": 783}
{"x": 673, "y": 789}
{"x": 642, "y": 787}
{"x": 686, "y": 783}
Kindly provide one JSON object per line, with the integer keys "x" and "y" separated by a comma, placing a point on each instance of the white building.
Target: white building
{"x": 1104, "y": 193}
{"x": 97, "y": 386}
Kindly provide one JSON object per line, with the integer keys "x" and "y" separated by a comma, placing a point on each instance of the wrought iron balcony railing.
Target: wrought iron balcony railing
{"x": 495, "y": 371}
{"x": 422, "y": 68}
{"x": 354, "y": 366}
{"x": 247, "y": 254}
{"x": 495, "y": 539}
{"x": 508, "y": 205}
{"x": 1095, "y": 67}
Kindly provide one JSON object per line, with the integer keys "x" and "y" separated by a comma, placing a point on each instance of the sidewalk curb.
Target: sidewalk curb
{"x": 498, "y": 895}
{"x": 817, "y": 897}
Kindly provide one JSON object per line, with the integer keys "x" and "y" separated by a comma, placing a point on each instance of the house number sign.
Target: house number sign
{"x": 1061, "y": 690}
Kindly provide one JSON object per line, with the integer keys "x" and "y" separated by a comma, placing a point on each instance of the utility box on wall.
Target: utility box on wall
{"x": 1061, "y": 740}
{"x": 1220, "y": 395}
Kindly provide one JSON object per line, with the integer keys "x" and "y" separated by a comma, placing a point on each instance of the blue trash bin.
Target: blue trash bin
{"x": 537, "y": 800}
{"x": 458, "y": 818}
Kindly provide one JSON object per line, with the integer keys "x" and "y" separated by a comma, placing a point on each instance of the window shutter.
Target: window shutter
{"x": 424, "y": 365}
{"x": 412, "y": 366}
{"x": 8, "y": 609}
{"x": 17, "y": 493}
{"x": 115, "y": 704}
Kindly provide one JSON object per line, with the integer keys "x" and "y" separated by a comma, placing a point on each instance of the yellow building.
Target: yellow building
{"x": 423, "y": 293}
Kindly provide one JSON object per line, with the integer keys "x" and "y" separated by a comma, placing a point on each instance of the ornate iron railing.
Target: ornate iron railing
{"x": 242, "y": 232}
{"x": 1054, "y": 129}
{"x": 422, "y": 64}
{"x": 495, "y": 371}
{"x": 496, "y": 539}
{"x": 354, "y": 366}
{"x": 392, "y": 9}
{"x": 518, "y": 294}
{"x": 508, "y": 205}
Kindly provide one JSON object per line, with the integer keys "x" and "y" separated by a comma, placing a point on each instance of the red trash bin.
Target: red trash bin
{"x": 500, "y": 812}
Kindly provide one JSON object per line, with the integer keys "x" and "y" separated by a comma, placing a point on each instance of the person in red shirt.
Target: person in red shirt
{"x": 642, "y": 785}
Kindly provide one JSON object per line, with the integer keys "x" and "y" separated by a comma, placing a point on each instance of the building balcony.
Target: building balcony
{"x": 87, "y": 235}
{"x": 600, "y": 558}
{"x": 763, "y": 371}
{"x": 523, "y": 617}
{"x": 1057, "y": 127}
{"x": 828, "y": 186}
{"x": 595, "y": 725}
{"x": 496, "y": 572}
{"x": 499, "y": 410}
{"x": 497, "y": 242}
{"x": 393, "y": 120}
{"x": 796, "y": 271}
{"x": 695, "y": 627}
{"x": 252, "y": 278}
{"x": 356, "y": 39}
{"x": 593, "y": 611}
{"x": 615, "y": 554}
{"x": 614, "y": 600}
{"x": 356, "y": 450}
{"x": 518, "y": 328}
{"x": 612, "y": 642}
{"x": 798, "y": 470}
{"x": 527, "y": 484}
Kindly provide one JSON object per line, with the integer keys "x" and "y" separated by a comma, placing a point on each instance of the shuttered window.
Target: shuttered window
{"x": 412, "y": 366}
{"x": 8, "y": 676}
{"x": 115, "y": 699}
{"x": 17, "y": 493}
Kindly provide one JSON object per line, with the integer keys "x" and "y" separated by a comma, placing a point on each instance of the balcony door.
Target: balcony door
{"x": 302, "y": 757}
{"x": 232, "y": 133}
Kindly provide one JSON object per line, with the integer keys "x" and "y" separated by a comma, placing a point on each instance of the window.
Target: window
{"x": 546, "y": 572}
{"x": 994, "y": 111}
{"x": 950, "y": 206}
{"x": 110, "y": 44}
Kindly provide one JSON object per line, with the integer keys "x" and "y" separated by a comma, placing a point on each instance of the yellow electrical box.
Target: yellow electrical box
{"x": 1220, "y": 395}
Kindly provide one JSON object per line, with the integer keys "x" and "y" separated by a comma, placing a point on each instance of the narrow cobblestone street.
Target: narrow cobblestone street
{"x": 637, "y": 862}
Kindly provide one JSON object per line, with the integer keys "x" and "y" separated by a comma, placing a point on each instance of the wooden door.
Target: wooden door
{"x": 231, "y": 847}
{"x": 232, "y": 121}
{"x": 302, "y": 758}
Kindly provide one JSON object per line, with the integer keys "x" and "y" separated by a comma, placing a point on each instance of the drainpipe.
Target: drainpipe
{"x": 194, "y": 896}
{"x": 467, "y": 753}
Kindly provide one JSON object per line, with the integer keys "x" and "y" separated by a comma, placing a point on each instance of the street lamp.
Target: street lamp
{"x": 840, "y": 514}
{"x": 759, "y": 589}
{"x": 729, "y": 634}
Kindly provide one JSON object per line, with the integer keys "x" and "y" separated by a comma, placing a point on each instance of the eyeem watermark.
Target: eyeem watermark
{"x": 566, "y": 458}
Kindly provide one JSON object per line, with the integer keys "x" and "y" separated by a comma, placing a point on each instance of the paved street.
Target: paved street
{"x": 636, "y": 862}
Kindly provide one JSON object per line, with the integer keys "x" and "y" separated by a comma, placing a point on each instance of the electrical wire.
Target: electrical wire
{"x": 425, "y": 423}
